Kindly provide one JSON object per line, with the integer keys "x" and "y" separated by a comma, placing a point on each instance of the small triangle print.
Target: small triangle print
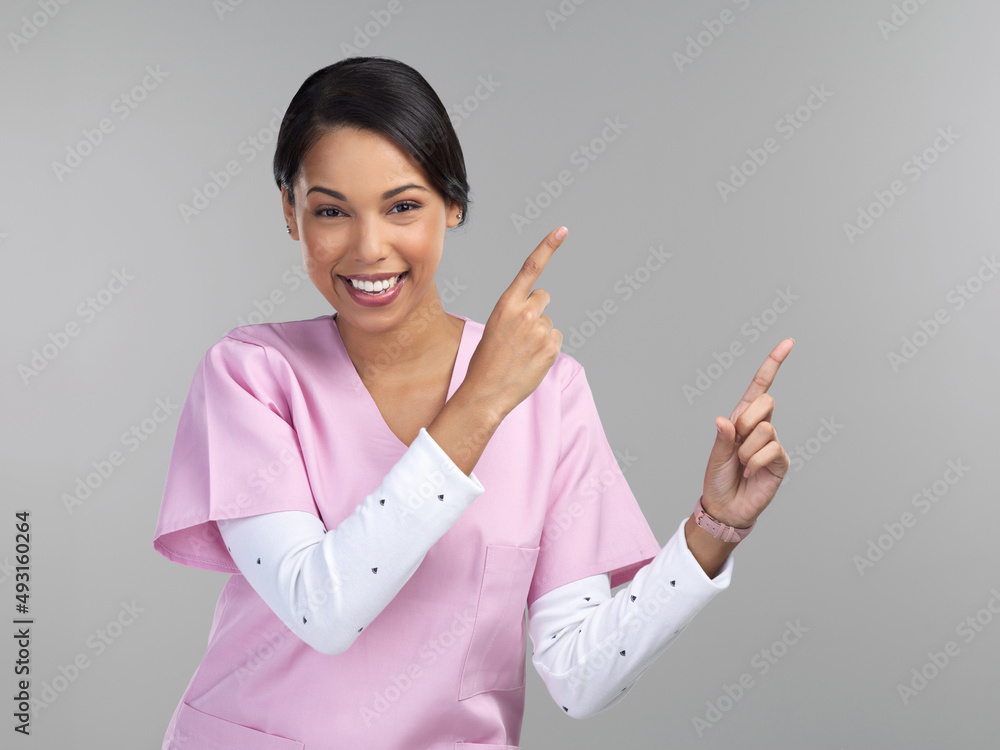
{"x": 382, "y": 501}
{"x": 622, "y": 653}
{"x": 374, "y": 570}
{"x": 440, "y": 497}
{"x": 633, "y": 597}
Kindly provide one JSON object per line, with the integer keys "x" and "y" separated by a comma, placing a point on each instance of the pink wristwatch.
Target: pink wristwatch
{"x": 718, "y": 529}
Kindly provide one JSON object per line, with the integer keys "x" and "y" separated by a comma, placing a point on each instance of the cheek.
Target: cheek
{"x": 316, "y": 263}
{"x": 427, "y": 241}
{"x": 318, "y": 251}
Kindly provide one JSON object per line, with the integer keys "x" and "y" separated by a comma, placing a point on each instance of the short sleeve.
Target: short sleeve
{"x": 593, "y": 524}
{"x": 235, "y": 454}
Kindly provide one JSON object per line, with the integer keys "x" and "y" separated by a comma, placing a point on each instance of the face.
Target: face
{"x": 365, "y": 209}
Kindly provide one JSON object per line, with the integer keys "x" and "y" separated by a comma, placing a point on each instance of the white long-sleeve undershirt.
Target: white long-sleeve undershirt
{"x": 326, "y": 586}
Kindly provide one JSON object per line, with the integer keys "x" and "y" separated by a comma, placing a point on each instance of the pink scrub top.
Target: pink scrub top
{"x": 277, "y": 418}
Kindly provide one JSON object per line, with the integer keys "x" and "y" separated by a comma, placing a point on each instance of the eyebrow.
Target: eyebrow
{"x": 385, "y": 196}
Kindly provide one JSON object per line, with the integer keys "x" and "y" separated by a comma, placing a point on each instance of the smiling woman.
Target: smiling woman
{"x": 391, "y": 485}
{"x": 369, "y": 234}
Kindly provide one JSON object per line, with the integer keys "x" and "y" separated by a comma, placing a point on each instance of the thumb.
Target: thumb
{"x": 725, "y": 442}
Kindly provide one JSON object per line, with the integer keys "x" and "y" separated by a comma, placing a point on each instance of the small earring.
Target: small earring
{"x": 459, "y": 215}
{"x": 288, "y": 229}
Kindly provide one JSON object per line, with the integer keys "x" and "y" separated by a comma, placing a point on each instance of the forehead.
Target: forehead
{"x": 361, "y": 157}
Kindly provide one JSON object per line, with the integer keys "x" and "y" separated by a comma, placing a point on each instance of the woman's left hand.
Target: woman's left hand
{"x": 747, "y": 443}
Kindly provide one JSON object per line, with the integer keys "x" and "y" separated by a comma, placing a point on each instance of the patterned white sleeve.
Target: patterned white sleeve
{"x": 326, "y": 586}
{"x": 590, "y": 647}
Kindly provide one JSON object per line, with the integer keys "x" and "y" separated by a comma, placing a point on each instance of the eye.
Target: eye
{"x": 323, "y": 212}
{"x": 408, "y": 205}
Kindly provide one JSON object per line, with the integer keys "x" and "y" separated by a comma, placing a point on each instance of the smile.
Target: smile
{"x": 377, "y": 286}
{"x": 373, "y": 293}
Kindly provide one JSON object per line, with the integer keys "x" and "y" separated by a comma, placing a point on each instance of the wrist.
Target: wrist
{"x": 719, "y": 528}
{"x": 488, "y": 413}
{"x": 710, "y": 553}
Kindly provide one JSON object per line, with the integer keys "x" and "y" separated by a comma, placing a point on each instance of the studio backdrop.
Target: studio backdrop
{"x": 732, "y": 173}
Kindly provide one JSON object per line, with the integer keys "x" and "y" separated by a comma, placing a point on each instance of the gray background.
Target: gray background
{"x": 62, "y": 237}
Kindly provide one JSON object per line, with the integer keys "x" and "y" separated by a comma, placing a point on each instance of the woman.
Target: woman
{"x": 391, "y": 485}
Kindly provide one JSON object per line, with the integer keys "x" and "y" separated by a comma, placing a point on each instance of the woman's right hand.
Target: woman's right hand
{"x": 519, "y": 344}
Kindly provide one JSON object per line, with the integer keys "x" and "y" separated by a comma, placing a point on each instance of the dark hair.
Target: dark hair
{"x": 377, "y": 94}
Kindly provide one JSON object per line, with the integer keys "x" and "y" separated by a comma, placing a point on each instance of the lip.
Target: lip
{"x": 373, "y": 277}
{"x": 366, "y": 300}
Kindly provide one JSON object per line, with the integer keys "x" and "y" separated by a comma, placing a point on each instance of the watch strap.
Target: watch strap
{"x": 718, "y": 529}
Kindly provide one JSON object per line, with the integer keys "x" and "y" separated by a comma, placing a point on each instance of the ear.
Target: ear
{"x": 289, "y": 210}
{"x": 451, "y": 215}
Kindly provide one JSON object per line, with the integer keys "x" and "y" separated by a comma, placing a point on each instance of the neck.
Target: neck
{"x": 400, "y": 353}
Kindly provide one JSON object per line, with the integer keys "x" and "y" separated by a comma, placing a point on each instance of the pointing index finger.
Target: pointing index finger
{"x": 764, "y": 377}
{"x": 535, "y": 263}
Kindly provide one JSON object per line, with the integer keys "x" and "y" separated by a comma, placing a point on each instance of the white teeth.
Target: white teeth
{"x": 375, "y": 287}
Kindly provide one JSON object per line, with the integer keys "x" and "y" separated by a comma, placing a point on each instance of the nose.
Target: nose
{"x": 369, "y": 247}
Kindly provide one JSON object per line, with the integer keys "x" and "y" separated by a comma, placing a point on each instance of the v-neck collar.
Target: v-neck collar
{"x": 355, "y": 377}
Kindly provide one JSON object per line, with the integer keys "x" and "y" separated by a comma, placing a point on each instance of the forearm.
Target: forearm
{"x": 326, "y": 586}
{"x": 464, "y": 427}
{"x": 589, "y": 653}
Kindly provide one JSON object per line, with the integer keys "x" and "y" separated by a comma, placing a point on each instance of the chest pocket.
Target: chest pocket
{"x": 496, "y": 655}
